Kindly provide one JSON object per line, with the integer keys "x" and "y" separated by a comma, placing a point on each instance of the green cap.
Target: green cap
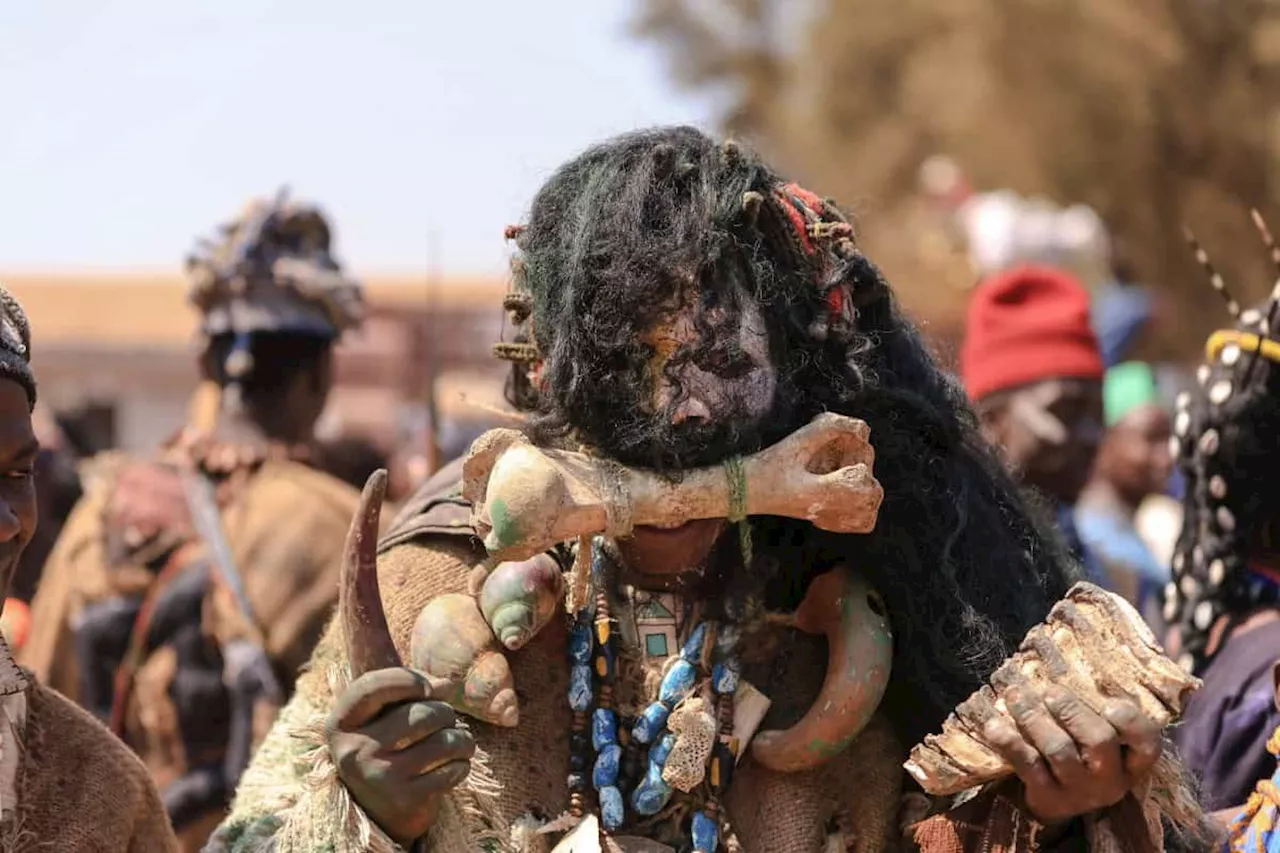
{"x": 1128, "y": 386}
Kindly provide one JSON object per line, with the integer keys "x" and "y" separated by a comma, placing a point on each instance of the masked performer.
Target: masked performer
{"x": 729, "y": 674}
{"x": 65, "y": 782}
{"x": 1225, "y": 594}
{"x": 189, "y": 586}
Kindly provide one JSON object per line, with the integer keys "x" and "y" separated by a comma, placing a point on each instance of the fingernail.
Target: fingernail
{"x": 995, "y": 730}
{"x": 1121, "y": 712}
{"x": 1055, "y": 697}
{"x": 1020, "y": 703}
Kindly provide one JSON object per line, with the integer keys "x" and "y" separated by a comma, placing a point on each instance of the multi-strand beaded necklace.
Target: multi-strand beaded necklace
{"x": 605, "y": 752}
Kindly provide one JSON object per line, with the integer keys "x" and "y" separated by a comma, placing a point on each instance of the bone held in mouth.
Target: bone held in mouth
{"x": 843, "y": 607}
{"x": 1093, "y": 644}
{"x": 525, "y": 499}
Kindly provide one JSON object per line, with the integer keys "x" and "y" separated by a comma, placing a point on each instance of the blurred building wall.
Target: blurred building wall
{"x": 128, "y": 341}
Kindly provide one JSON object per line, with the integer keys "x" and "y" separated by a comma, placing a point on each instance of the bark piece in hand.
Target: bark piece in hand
{"x": 1093, "y": 644}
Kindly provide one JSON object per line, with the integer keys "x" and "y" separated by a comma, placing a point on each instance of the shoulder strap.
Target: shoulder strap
{"x": 435, "y": 509}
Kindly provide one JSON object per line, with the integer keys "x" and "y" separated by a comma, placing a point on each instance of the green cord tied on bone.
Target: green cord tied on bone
{"x": 738, "y": 504}
{"x": 526, "y": 499}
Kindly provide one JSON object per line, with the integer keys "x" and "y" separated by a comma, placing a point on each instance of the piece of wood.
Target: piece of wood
{"x": 1093, "y": 644}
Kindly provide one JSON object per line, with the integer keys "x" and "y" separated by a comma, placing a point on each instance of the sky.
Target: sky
{"x": 130, "y": 127}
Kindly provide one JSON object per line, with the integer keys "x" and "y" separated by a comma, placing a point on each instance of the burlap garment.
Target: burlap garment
{"x": 286, "y": 525}
{"x": 292, "y": 801}
{"x": 76, "y": 786}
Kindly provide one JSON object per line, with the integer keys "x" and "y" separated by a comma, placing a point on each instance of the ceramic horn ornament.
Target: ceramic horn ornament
{"x": 845, "y": 609}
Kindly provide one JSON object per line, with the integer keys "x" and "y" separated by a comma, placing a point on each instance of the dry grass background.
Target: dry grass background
{"x": 1155, "y": 112}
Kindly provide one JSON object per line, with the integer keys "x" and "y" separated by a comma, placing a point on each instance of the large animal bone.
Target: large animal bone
{"x": 525, "y": 499}
{"x": 1093, "y": 644}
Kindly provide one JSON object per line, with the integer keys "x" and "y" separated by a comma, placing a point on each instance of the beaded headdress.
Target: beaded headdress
{"x": 15, "y": 344}
{"x": 1211, "y": 575}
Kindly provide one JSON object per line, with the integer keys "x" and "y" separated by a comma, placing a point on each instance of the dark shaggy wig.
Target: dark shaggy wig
{"x": 623, "y": 230}
{"x": 1225, "y": 434}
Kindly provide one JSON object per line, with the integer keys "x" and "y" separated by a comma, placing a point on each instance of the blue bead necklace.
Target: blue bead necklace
{"x": 592, "y": 660}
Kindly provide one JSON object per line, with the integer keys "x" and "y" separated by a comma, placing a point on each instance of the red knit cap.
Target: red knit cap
{"x": 1024, "y": 325}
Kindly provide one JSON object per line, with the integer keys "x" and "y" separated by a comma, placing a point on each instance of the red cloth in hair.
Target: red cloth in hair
{"x": 1025, "y": 325}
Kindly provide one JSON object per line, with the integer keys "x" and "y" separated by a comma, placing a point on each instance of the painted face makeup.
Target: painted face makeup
{"x": 711, "y": 365}
{"x": 1053, "y": 431}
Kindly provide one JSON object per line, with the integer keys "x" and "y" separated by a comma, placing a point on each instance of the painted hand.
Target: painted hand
{"x": 397, "y": 751}
{"x": 1071, "y": 759}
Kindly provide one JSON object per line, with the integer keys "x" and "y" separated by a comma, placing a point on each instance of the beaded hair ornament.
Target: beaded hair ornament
{"x": 1212, "y": 578}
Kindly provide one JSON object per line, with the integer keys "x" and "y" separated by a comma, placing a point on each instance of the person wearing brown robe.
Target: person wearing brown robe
{"x": 186, "y": 648}
{"x": 677, "y": 306}
{"x": 65, "y": 782}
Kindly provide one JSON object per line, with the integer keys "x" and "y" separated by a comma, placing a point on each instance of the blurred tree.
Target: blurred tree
{"x": 1155, "y": 112}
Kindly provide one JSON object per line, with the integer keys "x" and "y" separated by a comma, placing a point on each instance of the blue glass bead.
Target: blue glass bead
{"x": 599, "y": 559}
{"x": 678, "y": 682}
{"x": 651, "y": 794}
{"x": 606, "y": 770}
{"x": 611, "y": 809}
{"x": 580, "y": 643}
{"x": 706, "y": 834}
{"x": 724, "y": 676}
{"x": 604, "y": 728}
{"x": 727, "y": 639}
{"x": 659, "y": 751}
{"x": 580, "y": 687}
{"x": 692, "y": 650}
{"x": 577, "y": 782}
{"x": 650, "y": 723}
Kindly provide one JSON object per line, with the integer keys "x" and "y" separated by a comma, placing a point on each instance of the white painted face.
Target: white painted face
{"x": 728, "y": 377}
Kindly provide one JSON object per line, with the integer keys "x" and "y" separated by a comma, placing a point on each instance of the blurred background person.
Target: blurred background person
{"x": 1133, "y": 463}
{"x": 1224, "y": 600}
{"x": 1031, "y": 365}
{"x": 191, "y": 583}
{"x": 350, "y": 458}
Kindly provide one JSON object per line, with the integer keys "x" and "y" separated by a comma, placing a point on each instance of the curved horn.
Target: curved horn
{"x": 364, "y": 624}
{"x": 851, "y": 614}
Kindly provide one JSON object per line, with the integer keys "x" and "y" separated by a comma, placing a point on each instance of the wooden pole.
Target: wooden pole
{"x": 431, "y": 352}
